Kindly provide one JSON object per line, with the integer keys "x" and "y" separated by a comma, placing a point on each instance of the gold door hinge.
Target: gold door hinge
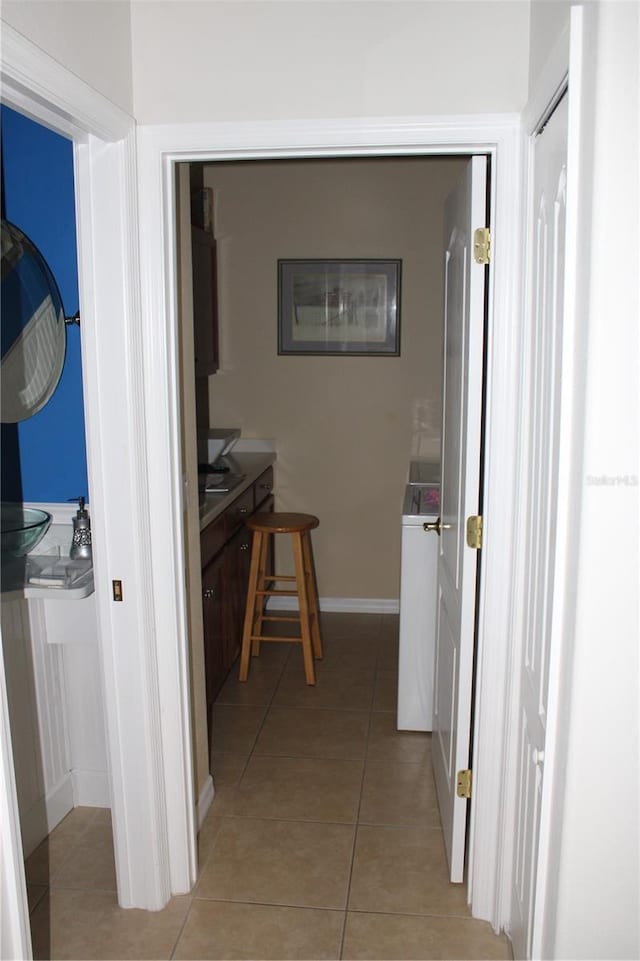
{"x": 463, "y": 784}
{"x": 474, "y": 532}
{"x": 482, "y": 245}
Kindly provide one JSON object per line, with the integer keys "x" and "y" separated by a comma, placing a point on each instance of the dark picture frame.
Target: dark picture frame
{"x": 339, "y": 307}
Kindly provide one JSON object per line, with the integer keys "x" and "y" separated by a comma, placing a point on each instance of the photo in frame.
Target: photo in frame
{"x": 338, "y": 307}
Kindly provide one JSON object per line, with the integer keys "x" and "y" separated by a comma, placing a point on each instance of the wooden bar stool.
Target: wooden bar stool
{"x": 262, "y": 586}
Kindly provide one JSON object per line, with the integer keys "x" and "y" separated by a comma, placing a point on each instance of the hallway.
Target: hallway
{"x": 323, "y": 840}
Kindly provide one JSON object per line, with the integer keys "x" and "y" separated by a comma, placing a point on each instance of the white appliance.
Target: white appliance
{"x": 418, "y": 590}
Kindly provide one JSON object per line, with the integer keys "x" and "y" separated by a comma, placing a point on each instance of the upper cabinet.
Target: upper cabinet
{"x": 205, "y": 275}
{"x": 205, "y": 301}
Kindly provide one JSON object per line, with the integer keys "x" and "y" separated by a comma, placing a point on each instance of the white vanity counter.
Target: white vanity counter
{"x": 48, "y": 573}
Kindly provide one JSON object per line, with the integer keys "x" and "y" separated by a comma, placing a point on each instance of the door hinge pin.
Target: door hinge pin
{"x": 482, "y": 245}
{"x": 463, "y": 784}
{"x": 474, "y": 532}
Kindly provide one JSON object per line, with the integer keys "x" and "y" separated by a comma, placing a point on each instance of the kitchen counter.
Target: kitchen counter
{"x": 250, "y": 466}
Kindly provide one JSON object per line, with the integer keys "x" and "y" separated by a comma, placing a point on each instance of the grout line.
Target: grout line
{"x": 355, "y": 833}
{"x": 172, "y": 953}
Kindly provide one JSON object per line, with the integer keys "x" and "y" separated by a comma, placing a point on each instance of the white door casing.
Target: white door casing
{"x": 540, "y": 455}
{"x": 464, "y": 308}
{"x": 104, "y": 159}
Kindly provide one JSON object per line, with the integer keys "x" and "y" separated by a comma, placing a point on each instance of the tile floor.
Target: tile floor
{"x": 323, "y": 840}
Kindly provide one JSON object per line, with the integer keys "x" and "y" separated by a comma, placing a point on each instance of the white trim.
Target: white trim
{"x": 205, "y": 800}
{"x": 159, "y": 147}
{"x": 343, "y": 605}
{"x": 105, "y": 162}
{"x": 567, "y": 509}
{"x": 40, "y": 87}
{"x": 15, "y": 933}
{"x": 49, "y": 810}
{"x": 91, "y": 789}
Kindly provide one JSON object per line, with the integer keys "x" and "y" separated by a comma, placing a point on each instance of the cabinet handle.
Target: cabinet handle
{"x": 209, "y": 592}
{"x": 244, "y": 547}
{"x": 265, "y": 487}
{"x": 243, "y": 510}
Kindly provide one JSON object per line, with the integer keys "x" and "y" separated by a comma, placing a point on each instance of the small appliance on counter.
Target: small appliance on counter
{"x": 213, "y": 444}
{"x": 217, "y": 472}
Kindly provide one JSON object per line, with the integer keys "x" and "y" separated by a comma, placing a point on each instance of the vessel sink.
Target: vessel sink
{"x": 21, "y": 528}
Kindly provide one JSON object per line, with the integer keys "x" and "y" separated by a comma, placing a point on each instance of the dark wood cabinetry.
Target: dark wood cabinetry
{"x": 226, "y": 554}
{"x": 205, "y": 301}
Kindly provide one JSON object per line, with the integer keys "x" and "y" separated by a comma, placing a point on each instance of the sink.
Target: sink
{"x": 21, "y": 528}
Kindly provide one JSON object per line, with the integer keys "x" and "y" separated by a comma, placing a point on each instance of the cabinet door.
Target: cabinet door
{"x": 213, "y": 594}
{"x": 262, "y": 489}
{"x": 237, "y": 561}
{"x": 205, "y": 301}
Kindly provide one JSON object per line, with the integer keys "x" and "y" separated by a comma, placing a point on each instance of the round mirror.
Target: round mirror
{"x": 33, "y": 332}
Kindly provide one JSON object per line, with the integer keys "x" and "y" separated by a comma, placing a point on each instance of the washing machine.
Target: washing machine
{"x": 418, "y": 598}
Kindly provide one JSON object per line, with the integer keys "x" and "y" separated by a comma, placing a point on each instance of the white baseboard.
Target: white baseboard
{"x": 91, "y": 789}
{"x": 45, "y": 815}
{"x": 344, "y": 605}
{"x": 205, "y": 800}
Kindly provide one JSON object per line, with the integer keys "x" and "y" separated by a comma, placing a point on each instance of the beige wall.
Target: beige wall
{"x": 345, "y": 427}
{"x": 237, "y": 60}
{"x": 91, "y": 38}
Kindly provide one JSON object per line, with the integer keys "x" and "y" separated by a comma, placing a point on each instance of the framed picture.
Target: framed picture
{"x": 339, "y": 307}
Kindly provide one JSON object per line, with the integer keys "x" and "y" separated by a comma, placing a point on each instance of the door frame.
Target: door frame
{"x": 103, "y": 137}
{"x": 126, "y": 237}
{"x": 498, "y": 136}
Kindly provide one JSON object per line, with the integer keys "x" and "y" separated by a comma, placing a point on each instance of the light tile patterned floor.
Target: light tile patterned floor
{"x": 323, "y": 840}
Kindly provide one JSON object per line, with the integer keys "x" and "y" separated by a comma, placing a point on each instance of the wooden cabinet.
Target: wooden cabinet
{"x": 226, "y": 555}
{"x": 205, "y": 301}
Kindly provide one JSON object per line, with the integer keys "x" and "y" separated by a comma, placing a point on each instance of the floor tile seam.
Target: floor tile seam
{"x": 314, "y": 707}
{"x": 78, "y": 886}
{"x": 266, "y": 904}
{"x": 291, "y": 820}
{"x": 408, "y": 827}
{"x": 172, "y": 953}
{"x": 264, "y": 817}
{"x": 43, "y": 895}
{"x": 272, "y": 904}
{"x": 265, "y": 715}
{"x": 435, "y": 915}
{"x": 312, "y": 757}
{"x": 355, "y": 836}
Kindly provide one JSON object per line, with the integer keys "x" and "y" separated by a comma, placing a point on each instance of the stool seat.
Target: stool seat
{"x": 262, "y": 586}
{"x": 282, "y": 522}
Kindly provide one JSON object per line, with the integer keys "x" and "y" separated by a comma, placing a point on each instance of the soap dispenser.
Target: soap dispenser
{"x": 81, "y": 541}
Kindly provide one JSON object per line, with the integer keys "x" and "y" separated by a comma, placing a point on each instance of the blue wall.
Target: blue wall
{"x": 47, "y": 459}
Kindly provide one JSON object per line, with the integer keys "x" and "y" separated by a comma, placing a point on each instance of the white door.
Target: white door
{"x": 460, "y": 498}
{"x": 545, "y": 316}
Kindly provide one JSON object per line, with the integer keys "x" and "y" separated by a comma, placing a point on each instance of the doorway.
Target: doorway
{"x": 265, "y": 210}
{"x": 160, "y": 149}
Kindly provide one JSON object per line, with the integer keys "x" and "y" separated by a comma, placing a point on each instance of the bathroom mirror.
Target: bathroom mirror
{"x": 33, "y": 328}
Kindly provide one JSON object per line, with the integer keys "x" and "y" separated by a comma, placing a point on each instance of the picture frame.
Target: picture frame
{"x": 339, "y": 307}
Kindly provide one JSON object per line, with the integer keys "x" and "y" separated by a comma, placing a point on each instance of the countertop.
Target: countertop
{"x": 47, "y": 577}
{"x": 250, "y": 466}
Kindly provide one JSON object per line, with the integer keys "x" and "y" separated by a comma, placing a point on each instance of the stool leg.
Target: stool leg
{"x": 260, "y": 599}
{"x": 303, "y": 601}
{"x": 249, "y": 615}
{"x": 314, "y": 613}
